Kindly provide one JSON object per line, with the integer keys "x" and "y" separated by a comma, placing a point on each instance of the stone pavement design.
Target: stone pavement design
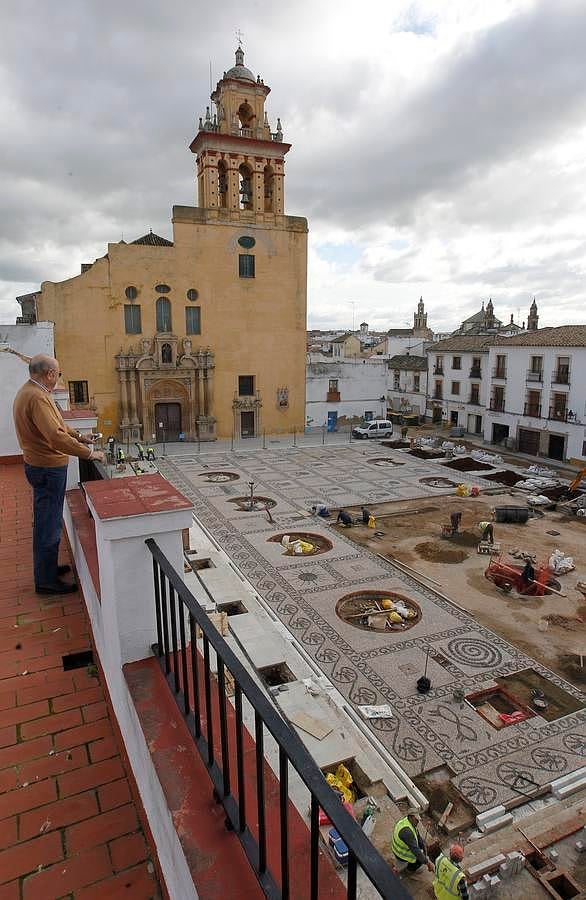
{"x": 69, "y": 826}
{"x": 489, "y": 766}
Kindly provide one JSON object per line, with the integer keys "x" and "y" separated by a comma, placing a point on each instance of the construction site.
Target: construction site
{"x": 423, "y": 660}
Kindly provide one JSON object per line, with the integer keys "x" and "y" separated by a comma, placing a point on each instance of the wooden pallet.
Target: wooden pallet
{"x": 488, "y": 548}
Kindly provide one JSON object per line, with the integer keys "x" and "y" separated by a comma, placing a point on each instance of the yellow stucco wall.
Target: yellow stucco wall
{"x": 254, "y": 326}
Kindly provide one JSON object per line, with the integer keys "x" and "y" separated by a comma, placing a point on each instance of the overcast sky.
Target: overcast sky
{"x": 439, "y": 146}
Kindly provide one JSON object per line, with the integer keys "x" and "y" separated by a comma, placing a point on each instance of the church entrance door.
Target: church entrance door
{"x": 168, "y": 420}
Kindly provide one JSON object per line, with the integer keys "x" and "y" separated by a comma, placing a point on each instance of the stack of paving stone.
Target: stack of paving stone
{"x": 491, "y": 872}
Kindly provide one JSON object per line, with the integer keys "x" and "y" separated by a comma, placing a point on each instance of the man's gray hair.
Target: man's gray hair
{"x": 41, "y": 364}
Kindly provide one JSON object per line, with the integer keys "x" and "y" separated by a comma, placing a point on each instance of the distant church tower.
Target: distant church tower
{"x": 240, "y": 161}
{"x": 420, "y": 318}
{"x": 533, "y": 318}
{"x": 489, "y": 314}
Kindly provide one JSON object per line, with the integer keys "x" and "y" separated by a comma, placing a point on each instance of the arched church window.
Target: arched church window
{"x": 223, "y": 184}
{"x": 166, "y": 354}
{"x": 268, "y": 188}
{"x": 246, "y": 115}
{"x": 163, "y": 315}
{"x": 245, "y": 191}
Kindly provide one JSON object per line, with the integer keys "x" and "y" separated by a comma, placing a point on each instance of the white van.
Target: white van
{"x": 378, "y": 428}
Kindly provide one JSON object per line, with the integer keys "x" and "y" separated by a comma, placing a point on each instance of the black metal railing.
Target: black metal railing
{"x": 497, "y": 404}
{"x": 560, "y": 376}
{"x": 475, "y": 372}
{"x": 533, "y": 410}
{"x": 188, "y": 674}
{"x": 437, "y": 395}
{"x": 438, "y": 370}
{"x": 534, "y": 375}
{"x": 558, "y": 413}
{"x": 499, "y": 372}
{"x": 474, "y": 400}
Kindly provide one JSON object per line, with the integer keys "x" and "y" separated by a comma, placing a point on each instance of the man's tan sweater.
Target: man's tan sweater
{"x": 43, "y": 435}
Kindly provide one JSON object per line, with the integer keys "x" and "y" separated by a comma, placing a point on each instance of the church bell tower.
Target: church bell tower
{"x": 240, "y": 161}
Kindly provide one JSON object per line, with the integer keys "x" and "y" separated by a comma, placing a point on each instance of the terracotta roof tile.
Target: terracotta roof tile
{"x": 407, "y": 362}
{"x": 153, "y": 240}
{"x": 562, "y": 336}
{"x": 464, "y": 342}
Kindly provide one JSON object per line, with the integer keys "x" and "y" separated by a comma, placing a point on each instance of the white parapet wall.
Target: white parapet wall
{"x": 124, "y": 624}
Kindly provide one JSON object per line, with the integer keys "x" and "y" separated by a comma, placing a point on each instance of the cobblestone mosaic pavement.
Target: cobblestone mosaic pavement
{"x": 489, "y": 766}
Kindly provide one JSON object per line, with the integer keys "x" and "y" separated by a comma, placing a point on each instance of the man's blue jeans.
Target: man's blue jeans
{"x": 48, "y": 495}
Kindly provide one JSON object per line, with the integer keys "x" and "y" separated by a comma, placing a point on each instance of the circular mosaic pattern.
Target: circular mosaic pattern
{"x": 366, "y": 610}
{"x": 575, "y": 743}
{"x": 474, "y": 652}
{"x": 384, "y": 461}
{"x": 219, "y": 476}
{"x": 258, "y": 503}
{"x": 320, "y": 543}
{"x": 437, "y": 482}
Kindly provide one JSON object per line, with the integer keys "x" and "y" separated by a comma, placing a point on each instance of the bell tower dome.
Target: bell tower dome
{"x": 240, "y": 161}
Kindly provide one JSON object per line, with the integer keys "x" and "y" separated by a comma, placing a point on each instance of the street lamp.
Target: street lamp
{"x": 162, "y": 427}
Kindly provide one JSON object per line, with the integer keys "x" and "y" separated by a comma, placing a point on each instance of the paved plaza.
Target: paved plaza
{"x": 489, "y": 766}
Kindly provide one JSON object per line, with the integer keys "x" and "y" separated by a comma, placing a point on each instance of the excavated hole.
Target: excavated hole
{"x": 320, "y": 543}
{"x": 384, "y": 461}
{"x": 439, "y": 482}
{"x": 357, "y": 609}
{"x": 218, "y": 477}
{"x": 258, "y": 505}
{"x": 467, "y": 465}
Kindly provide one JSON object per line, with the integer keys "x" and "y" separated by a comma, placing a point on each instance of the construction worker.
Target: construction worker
{"x": 487, "y": 532}
{"x": 345, "y": 518}
{"x": 450, "y": 881}
{"x": 408, "y": 846}
{"x": 365, "y": 515}
{"x": 528, "y": 573}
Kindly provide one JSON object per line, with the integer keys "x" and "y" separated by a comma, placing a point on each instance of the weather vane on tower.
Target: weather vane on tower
{"x": 239, "y": 36}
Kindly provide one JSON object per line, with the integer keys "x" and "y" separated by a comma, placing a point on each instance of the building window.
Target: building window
{"x": 162, "y": 288}
{"x": 456, "y": 362}
{"x": 192, "y": 320}
{"x": 396, "y": 381}
{"x": 246, "y": 241}
{"x": 132, "y": 323}
{"x": 246, "y": 385}
{"x": 416, "y": 383}
{"x": 246, "y": 265}
{"x": 166, "y": 354}
{"x": 368, "y": 415}
{"x": 192, "y": 294}
{"x": 131, "y": 292}
{"x": 455, "y": 387}
{"x": 333, "y": 384}
{"x": 78, "y": 392}
{"x": 163, "y": 315}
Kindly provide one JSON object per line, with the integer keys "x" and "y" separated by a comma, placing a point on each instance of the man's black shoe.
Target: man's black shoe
{"x": 59, "y": 587}
{"x": 63, "y": 570}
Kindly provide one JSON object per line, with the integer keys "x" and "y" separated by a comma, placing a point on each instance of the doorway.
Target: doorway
{"x": 436, "y": 414}
{"x": 168, "y": 421}
{"x": 332, "y": 420}
{"x": 478, "y": 428}
{"x": 528, "y": 441}
{"x": 499, "y": 432}
{"x": 454, "y": 417}
{"x": 247, "y": 424}
{"x": 557, "y": 446}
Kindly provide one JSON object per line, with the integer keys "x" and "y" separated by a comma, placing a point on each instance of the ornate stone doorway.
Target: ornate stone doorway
{"x": 247, "y": 424}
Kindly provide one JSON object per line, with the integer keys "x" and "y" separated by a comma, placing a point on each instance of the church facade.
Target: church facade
{"x": 204, "y": 335}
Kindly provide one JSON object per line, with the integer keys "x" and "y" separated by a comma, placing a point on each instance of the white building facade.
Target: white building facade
{"x": 458, "y": 381}
{"x": 537, "y": 395}
{"x": 339, "y": 393}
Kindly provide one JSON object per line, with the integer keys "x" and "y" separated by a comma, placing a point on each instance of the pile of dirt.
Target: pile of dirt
{"x": 434, "y": 552}
{"x": 505, "y": 477}
{"x": 467, "y": 465}
{"x": 568, "y": 623}
{"x": 466, "y": 538}
{"x": 397, "y": 445}
{"x": 427, "y": 454}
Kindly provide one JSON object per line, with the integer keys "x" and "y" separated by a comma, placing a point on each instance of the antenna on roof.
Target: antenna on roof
{"x": 210, "y": 77}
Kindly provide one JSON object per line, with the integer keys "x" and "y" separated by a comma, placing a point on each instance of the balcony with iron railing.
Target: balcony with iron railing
{"x": 534, "y": 375}
{"x": 218, "y": 724}
{"x": 475, "y": 372}
{"x": 333, "y": 397}
{"x": 438, "y": 370}
{"x": 497, "y": 404}
{"x": 437, "y": 395}
{"x": 558, "y": 413}
{"x": 561, "y": 376}
{"x": 533, "y": 410}
{"x": 499, "y": 372}
{"x": 474, "y": 400}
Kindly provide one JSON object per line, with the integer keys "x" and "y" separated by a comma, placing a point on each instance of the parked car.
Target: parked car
{"x": 378, "y": 428}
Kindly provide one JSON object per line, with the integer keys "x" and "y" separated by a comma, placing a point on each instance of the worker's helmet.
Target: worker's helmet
{"x": 457, "y": 852}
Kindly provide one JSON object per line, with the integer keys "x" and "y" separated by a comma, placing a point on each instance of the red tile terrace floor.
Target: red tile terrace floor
{"x": 70, "y": 826}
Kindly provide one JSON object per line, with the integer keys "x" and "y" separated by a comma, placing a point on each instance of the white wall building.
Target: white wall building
{"x": 18, "y": 343}
{"x": 341, "y": 392}
{"x": 407, "y": 388}
{"x": 537, "y": 400}
{"x": 458, "y": 381}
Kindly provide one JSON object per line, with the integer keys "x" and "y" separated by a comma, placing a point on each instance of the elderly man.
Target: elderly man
{"x": 46, "y": 443}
